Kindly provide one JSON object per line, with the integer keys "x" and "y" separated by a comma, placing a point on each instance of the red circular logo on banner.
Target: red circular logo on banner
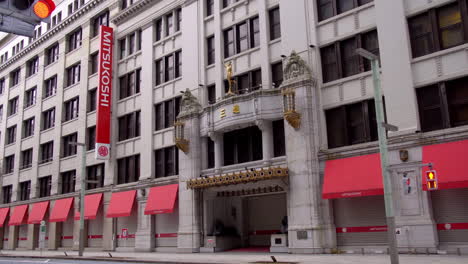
{"x": 103, "y": 151}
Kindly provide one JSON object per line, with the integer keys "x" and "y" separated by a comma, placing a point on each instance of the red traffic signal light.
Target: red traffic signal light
{"x": 43, "y": 8}
{"x": 431, "y": 180}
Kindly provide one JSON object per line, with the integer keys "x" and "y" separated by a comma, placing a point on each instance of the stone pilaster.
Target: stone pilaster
{"x": 33, "y": 237}
{"x": 13, "y": 237}
{"x": 306, "y": 226}
{"x": 218, "y": 146}
{"x": 109, "y": 241}
{"x": 267, "y": 140}
{"x": 144, "y": 239}
{"x": 54, "y": 236}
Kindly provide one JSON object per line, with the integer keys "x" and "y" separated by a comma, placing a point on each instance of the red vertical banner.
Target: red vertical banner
{"x": 104, "y": 94}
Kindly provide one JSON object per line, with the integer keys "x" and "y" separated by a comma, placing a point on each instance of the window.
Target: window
{"x": 227, "y": 3}
{"x": 2, "y": 85}
{"x": 172, "y": 22}
{"x": 71, "y": 109}
{"x": 45, "y": 185}
{"x": 246, "y": 82}
{"x": 210, "y": 153}
{"x": 37, "y": 33}
{"x": 95, "y": 173}
{"x": 131, "y": 43}
{"x": 211, "y": 92}
{"x": 279, "y": 145}
{"x": 50, "y": 87}
{"x": 129, "y": 84}
{"x": 26, "y": 158}
{"x": 167, "y": 162}
{"x": 32, "y": 66}
{"x": 241, "y": 37}
{"x": 92, "y": 98}
{"x": 7, "y": 191}
{"x": 13, "y": 106}
{"x": 93, "y": 63}
{"x": 24, "y": 190}
{"x": 9, "y": 164}
{"x": 210, "y": 50}
{"x": 4, "y": 57}
{"x": 15, "y": 77}
{"x": 47, "y": 152}
{"x": 102, "y": 19}
{"x": 129, "y": 126}
{"x": 128, "y": 169}
{"x": 242, "y": 145}
{"x": 330, "y": 8}
{"x": 209, "y": 7}
{"x": 48, "y": 118}
{"x": 122, "y": 48}
{"x": 67, "y": 148}
{"x": 166, "y": 113}
{"x": 443, "y": 105}
{"x": 351, "y": 124}
{"x": 1, "y": 113}
{"x": 73, "y": 74}
{"x": 52, "y": 54}
{"x": 169, "y": 67}
{"x": 275, "y": 26}
{"x": 438, "y": 29}
{"x": 91, "y": 138}
{"x": 11, "y": 135}
{"x": 74, "y": 40}
{"x": 28, "y": 127}
{"x": 30, "y": 97}
{"x": 125, "y": 3}
{"x": 340, "y": 60}
{"x": 68, "y": 181}
{"x": 277, "y": 74}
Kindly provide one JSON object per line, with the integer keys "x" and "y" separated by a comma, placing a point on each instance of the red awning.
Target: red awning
{"x": 92, "y": 203}
{"x": 161, "y": 199}
{"x": 38, "y": 212}
{"x": 449, "y": 161}
{"x": 3, "y": 215}
{"x": 353, "y": 177}
{"x": 61, "y": 209}
{"x": 121, "y": 204}
{"x": 18, "y": 216}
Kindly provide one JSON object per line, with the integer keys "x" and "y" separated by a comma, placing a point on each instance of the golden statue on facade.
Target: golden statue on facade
{"x": 228, "y": 68}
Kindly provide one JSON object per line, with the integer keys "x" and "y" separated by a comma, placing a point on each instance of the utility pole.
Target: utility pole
{"x": 381, "y": 130}
{"x": 82, "y": 196}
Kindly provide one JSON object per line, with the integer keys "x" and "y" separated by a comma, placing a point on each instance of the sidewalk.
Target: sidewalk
{"x": 241, "y": 257}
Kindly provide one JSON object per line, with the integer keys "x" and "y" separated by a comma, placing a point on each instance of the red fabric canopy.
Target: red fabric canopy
{"x": 38, "y": 212}
{"x": 92, "y": 203}
{"x": 449, "y": 161}
{"x": 61, "y": 209}
{"x": 161, "y": 199}
{"x": 3, "y": 215}
{"x": 18, "y": 216}
{"x": 121, "y": 204}
{"x": 353, "y": 177}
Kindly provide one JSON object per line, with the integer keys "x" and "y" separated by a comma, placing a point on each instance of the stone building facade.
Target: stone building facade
{"x": 234, "y": 121}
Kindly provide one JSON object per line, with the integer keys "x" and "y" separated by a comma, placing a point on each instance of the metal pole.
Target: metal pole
{"x": 383, "y": 160}
{"x": 82, "y": 198}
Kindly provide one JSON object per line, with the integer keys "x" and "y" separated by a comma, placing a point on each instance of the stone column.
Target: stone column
{"x": 267, "y": 140}
{"x": 33, "y": 236}
{"x": 306, "y": 230}
{"x": 108, "y": 227}
{"x": 144, "y": 237}
{"x": 13, "y": 237}
{"x": 54, "y": 236}
{"x": 189, "y": 168}
{"x": 218, "y": 147}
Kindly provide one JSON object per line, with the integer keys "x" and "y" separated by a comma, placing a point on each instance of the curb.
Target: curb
{"x": 107, "y": 259}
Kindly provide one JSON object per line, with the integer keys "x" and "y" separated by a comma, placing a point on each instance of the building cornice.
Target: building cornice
{"x": 135, "y": 9}
{"x": 52, "y": 32}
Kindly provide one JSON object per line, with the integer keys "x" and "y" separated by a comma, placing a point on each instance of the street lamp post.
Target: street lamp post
{"x": 82, "y": 196}
{"x": 381, "y": 130}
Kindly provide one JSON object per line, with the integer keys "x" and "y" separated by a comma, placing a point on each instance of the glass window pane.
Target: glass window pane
{"x": 451, "y": 32}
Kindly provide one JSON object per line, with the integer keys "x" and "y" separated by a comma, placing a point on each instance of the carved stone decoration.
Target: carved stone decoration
{"x": 179, "y": 137}
{"x": 296, "y": 67}
{"x": 182, "y": 144}
{"x": 189, "y": 105}
{"x": 404, "y": 155}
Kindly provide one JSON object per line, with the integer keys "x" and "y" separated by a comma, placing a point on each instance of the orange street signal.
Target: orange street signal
{"x": 431, "y": 180}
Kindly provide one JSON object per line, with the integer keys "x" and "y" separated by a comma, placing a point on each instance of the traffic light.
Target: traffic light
{"x": 21, "y": 16}
{"x": 431, "y": 180}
